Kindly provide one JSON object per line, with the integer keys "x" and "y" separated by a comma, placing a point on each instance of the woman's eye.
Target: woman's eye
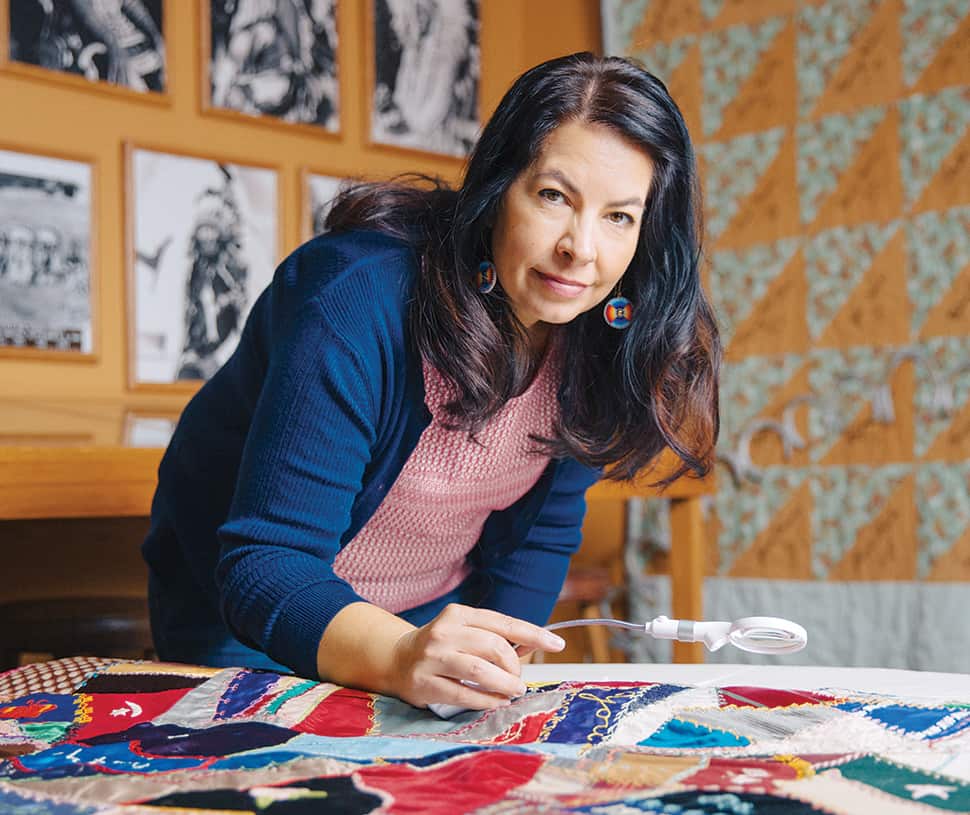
{"x": 553, "y": 196}
{"x": 620, "y": 218}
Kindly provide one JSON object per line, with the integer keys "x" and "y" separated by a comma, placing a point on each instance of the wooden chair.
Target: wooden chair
{"x": 594, "y": 591}
{"x": 74, "y": 626}
{"x": 596, "y": 577}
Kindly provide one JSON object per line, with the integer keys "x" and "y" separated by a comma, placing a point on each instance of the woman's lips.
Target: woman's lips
{"x": 561, "y": 286}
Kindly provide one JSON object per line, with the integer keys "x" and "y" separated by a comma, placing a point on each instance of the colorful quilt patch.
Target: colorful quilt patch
{"x": 770, "y": 697}
{"x": 142, "y": 737}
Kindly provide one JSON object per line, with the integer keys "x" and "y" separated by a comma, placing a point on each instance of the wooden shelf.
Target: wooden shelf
{"x": 76, "y": 458}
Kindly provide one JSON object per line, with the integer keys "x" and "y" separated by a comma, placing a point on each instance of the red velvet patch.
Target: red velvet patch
{"x": 461, "y": 784}
{"x": 345, "y": 712}
{"x": 744, "y": 696}
{"x": 525, "y": 730}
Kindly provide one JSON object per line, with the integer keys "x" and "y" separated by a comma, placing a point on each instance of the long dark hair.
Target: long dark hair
{"x": 624, "y": 395}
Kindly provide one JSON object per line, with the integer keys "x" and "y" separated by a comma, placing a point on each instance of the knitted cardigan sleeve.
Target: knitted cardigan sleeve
{"x": 310, "y": 441}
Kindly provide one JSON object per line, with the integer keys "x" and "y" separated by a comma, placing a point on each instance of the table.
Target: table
{"x": 96, "y": 458}
{"x": 923, "y": 684}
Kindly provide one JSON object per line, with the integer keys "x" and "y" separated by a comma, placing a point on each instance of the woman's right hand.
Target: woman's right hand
{"x": 434, "y": 664}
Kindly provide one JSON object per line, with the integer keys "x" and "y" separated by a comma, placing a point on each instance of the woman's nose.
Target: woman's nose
{"x": 578, "y": 243}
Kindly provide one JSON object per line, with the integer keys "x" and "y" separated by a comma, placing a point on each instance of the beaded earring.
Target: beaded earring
{"x": 485, "y": 278}
{"x": 618, "y": 311}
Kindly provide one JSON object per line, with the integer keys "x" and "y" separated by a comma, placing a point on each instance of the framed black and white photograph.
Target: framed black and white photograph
{"x": 319, "y": 192}
{"x": 272, "y": 60}
{"x": 118, "y": 44}
{"x": 203, "y": 242}
{"x": 424, "y": 64}
{"x": 47, "y": 286}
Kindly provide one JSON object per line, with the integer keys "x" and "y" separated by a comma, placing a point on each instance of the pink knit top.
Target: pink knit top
{"x": 414, "y": 546}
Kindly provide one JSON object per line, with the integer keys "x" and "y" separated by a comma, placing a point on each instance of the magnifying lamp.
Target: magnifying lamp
{"x": 759, "y": 635}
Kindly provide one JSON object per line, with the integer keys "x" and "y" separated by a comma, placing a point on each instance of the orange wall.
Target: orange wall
{"x": 73, "y": 119}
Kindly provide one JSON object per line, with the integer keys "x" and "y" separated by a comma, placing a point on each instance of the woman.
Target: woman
{"x": 383, "y": 485}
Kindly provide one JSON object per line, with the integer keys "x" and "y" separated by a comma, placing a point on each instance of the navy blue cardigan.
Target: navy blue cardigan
{"x": 283, "y": 456}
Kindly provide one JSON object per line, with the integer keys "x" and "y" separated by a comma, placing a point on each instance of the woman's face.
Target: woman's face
{"x": 567, "y": 227}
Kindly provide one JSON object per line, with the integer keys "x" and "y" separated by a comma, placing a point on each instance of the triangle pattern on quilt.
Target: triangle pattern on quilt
{"x": 835, "y": 262}
{"x": 732, "y": 170}
{"x": 621, "y": 19}
{"x": 740, "y": 279}
{"x": 663, "y": 58}
{"x": 953, "y": 565}
{"x": 723, "y": 13}
{"x": 869, "y": 189}
{"x": 951, "y": 315}
{"x": 777, "y": 324}
{"x": 781, "y": 551}
{"x": 825, "y": 36}
{"x": 885, "y": 547}
{"x": 711, "y": 8}
{"x": 789, "y": 405}
{"x": 863, "y": 413}
{"x": 765, "y": 99}
{"x": 826, "y": 149}
{"x": 950, "y": 187}
{"x": 938, "y": 245}
{"x": 874, "y": 313}
{"x": 933, "y": 129}
{"x": 769, "y": 210}
{"x": 935, "y": 37}
{"x": 953, "y": 443}
{"x": 730, "y": 59}
{"x": 943, "y": 501}
{"x": 869, "y": 73}
{"x": 678, "y": 64}
{"x": 848, "y": 501}
{"x": 747, "y": 386}
{"x": 745, "y": 511}
{"x": 942, "y": 398}
{"x": 871, "y": 439}
{"x": 663, "y": 20}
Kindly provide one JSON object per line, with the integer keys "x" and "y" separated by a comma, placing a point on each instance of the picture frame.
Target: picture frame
{"x": 423, "y": 71}
{"x": 279, "y": 70}
{"x": 318, "y": 190}
{"x": 92, "y": 46}
{"x": 48, "y": 269}
{"x": 202, "y": 242}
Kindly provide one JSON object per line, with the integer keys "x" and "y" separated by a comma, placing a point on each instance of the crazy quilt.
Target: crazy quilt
{"x": 98, "y": 736}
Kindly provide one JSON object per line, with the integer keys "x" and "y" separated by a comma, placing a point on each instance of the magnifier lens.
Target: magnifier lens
{"x": 768, "y": 636}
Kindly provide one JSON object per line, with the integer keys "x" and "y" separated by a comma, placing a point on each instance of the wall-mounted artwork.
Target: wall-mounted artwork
{"x": 319, "y": 192}
{"x": 276, "y": 61}
{"x": 424, "y": 64}
{"x": 46, "y": 285}
{"x": 121, "y": 42}
{"x": 203, "y": 238}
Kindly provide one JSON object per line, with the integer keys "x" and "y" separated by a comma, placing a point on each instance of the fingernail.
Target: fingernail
{"x": 553, "y": 641}
{"x": 522, "y": 690}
